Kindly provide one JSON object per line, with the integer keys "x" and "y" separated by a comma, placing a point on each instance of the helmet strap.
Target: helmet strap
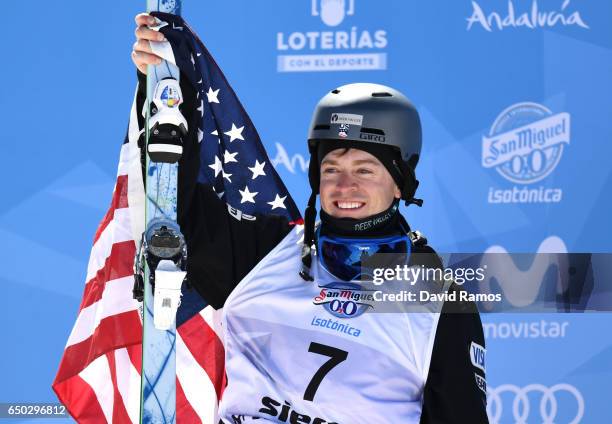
{"x": 309, "y": 235}
{"x": 410, "y": 185}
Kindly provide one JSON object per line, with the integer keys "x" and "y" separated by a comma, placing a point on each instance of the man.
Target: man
{"x": 304, "y": 342}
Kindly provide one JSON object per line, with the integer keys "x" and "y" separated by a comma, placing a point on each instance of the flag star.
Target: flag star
{"x": 199, "y": 54}
{"x": 216, "y": 166}
{"x": 226, "y": 176}
{"x": 229, "y": 157}
{"x": 200, "y": 82}
{"x": 247, "y": 196}
{"x": 212, "y": 95}
{"x": 201, "y": 108}
{"x": 278, "y": 202}
{"x": 200, "y": 135}
{"x": 235, "y": 133}
{"x": 257, "y": 169}
{"x": 193, "y": 61}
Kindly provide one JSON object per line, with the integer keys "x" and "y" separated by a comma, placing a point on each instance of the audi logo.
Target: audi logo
{"x": 521, "y": 406}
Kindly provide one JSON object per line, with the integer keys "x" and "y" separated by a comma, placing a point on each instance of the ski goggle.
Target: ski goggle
{"x": 355, "y": 258}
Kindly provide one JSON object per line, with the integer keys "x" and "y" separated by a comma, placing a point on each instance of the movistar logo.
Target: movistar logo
{"x": 506, "y": 273}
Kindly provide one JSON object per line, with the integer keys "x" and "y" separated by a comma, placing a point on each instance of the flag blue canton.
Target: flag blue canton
{"x": 233, "y": 159}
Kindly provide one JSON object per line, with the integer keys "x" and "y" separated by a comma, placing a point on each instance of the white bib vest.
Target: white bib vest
{"x": 289, "y": 358}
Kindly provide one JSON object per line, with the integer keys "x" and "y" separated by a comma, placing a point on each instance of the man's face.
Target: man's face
{"x": 354, "y": 184}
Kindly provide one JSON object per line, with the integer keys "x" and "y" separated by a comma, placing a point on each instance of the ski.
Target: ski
{"x": 161, "y": 259}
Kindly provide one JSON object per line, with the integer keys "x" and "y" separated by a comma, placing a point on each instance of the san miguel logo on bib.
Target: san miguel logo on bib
{"x": 524, "y": 145}
{"x": 344, "y": 300}
{"x": 340, "y": 46}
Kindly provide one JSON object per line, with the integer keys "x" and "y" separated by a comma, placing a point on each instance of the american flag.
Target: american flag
{"x": 99, "y": 376}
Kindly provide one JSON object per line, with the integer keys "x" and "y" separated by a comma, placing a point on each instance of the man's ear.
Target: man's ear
{"x": 397, "y": 193}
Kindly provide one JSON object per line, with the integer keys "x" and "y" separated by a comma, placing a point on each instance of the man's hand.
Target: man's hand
{"x": 142, "y": 55}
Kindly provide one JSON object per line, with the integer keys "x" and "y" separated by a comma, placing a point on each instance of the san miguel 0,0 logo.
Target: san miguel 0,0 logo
{"x": 524, "y": 145}
{"x": 344, "y": 300}
{"x": 338, "y": 48}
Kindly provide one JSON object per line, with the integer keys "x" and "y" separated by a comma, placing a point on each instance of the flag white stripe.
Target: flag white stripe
{"x": 128, "y": 384}
{"x": 198, "y": 387}
{"x": 136, "y": 192}
{"x": 124, "y": 163}
{"x": 116, "y": 299}
{"x": 98, "y": 376}
{"x": 214, "y": 318}
{"x": 117, "y": 231}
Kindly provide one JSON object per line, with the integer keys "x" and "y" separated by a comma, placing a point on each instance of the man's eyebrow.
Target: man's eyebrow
{"x": 328, "y": 161}
{"x": 366, "y": 161}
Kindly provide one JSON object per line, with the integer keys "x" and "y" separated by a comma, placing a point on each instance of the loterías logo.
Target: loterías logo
{"x": 524, "y": 16}
{"x": 332, "y": 50}
{"x": 332, "y": 11}
{"x": 524, "y": 145}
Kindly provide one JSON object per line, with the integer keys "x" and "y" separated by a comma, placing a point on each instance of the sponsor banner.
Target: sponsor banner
{"x": 516, "y": 194}
{"x": 524, "y": 14}
{"x": 294, "y": 164}
{"x": 332, "y": 62}
{"x": 339, "y": 48}
{"x": 560, "y": 403}
{"x": 524, "y": 145}
{"x": 523, "y": 141}
{"x": 539, "y": 329}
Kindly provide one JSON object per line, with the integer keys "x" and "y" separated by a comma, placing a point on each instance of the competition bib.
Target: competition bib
{"x": 319, "y": 352}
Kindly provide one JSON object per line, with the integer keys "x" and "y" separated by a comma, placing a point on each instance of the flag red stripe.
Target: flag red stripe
{"x": 135, "y": 354}
{"x": 206, "y": 348}
{"x": 120, "y": 414}
{"x": 299, "y": 221}
{"x": 80, "y": 400}
{"x": 184, "y": 411}
{"x": 113, "y": 332}
{"x": 119, "y": 264}
{"x": 120, "y": 200}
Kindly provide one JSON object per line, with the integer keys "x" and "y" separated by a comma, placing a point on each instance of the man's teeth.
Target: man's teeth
{"x": 349, "y": 205}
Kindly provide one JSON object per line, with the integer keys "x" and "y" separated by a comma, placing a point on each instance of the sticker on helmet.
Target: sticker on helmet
{"x": 343, "y": 131}
{"x": 346, "y": 118}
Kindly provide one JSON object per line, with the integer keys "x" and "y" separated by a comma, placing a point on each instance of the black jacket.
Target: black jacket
{"x": 224, "y": 245}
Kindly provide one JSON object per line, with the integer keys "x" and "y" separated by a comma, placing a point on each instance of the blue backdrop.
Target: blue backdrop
{"x": 515, "y": 102}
